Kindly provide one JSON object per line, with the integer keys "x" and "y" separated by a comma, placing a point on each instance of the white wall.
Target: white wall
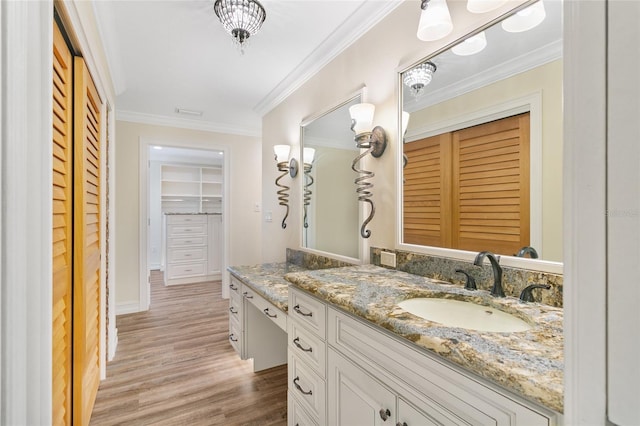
{"x": 245, "y": 171}
{"x": 373, "y": 60}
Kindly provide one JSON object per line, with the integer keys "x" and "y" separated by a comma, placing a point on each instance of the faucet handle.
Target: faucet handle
{"x": 470, "y": 282}
{"x": 527, "y": 296}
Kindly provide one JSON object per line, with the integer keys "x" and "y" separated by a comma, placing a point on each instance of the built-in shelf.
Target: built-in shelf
{"x": 191, "y": 189}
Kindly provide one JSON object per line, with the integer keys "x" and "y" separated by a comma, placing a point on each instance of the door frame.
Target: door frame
{"x": 143, "y": 243}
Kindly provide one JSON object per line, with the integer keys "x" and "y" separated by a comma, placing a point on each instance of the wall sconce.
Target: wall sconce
{"x": 471, "y": 46}
{"x": 525, "y": 19}
{"x": 285, "y": 166}
{"x": 375, "y": 142}
{"x": 308, "y": 155}
{"x": 435, "y": 20}
{"x": 405, "y": 125}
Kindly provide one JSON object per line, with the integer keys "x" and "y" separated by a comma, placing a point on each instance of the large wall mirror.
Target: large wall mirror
{"x": 482, "y": 151}
{"x": 331, "y": 212}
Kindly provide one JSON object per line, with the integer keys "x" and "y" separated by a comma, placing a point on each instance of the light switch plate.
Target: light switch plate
{"x": 388, "y": 259}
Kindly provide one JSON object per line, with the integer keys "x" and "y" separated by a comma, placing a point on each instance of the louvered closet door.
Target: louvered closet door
{"x": 491, "y": 186}
{"x": 62, "y": 229}
{"x": 427, "y": 191}
{"x": 86, "y": 286}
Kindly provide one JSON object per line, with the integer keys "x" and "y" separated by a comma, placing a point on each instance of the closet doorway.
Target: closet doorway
{"x": 181, "y": 181}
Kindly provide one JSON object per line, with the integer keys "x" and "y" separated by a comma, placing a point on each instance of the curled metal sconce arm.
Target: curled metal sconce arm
{"x": 291, "y": 169}
{"x": 362, "y": 189}
{"x": 307, "y": 192}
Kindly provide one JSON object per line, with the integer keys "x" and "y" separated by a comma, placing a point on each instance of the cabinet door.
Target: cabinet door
{"x": 215, "y": 244}
{"x": 356, "y": 398}
{"x": 408, "y": 415}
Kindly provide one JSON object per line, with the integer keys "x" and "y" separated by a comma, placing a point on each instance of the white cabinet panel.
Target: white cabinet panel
{"x": 309, "y": 311}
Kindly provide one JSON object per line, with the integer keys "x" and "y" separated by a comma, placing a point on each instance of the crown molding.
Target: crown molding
{"x": 184, "y": 123}
{"x": 361, "y": 21}
{"x": 517, "y": 65}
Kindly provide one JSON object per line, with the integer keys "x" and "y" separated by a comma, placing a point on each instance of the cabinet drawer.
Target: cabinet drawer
{"x": 307, "y": 311}
{"x": 268, "y": 309}
{"x": 307, "y": 387}
{"x": 186, "y": 219}
{"x": 308, "y": 347}
{"x": 235, "y": 335}
{"x": 186, "y": 270}
{"x": 235, "y": 309}
{"x": 296, "y": 415}
{"x": 186, "y": 230}
{"x": 187, "y": 254}
{"x": 186, "y": 241}
{"x": 235, "y": 287}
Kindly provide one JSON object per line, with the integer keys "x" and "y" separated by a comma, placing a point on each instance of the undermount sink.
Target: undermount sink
{"x": 457, "y": 313}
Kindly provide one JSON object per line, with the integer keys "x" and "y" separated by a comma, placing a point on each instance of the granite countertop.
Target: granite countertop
{"x": 529, "y": 363}
{"x": 267, "y": 280}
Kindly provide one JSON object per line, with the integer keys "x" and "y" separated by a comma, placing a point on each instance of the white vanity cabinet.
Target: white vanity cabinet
{"x": 257, "y": 328}
{"x": 373, "y": 377}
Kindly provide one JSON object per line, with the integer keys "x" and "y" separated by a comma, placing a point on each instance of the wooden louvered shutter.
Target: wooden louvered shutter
{"x": 491, "y": 186}
{"x": 427, "y": 191}
{"x": 86, "y": 287}
{"x": 62, "y": 229}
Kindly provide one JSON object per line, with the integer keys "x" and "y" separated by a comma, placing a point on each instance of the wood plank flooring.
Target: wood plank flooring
{"x": 174, "y": 366}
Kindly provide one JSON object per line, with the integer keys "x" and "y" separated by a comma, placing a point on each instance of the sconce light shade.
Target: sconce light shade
{"x": 308, "y": 155}
{"x": 482, "y": 6}
{"x": 471, "y": 46}
{"x": 435, "y": 20}
{"x": 525, "y": 19}
{"x": 362, "y": 117}
{"x": 282, "y": 153}
{"x": 405, "y": 122}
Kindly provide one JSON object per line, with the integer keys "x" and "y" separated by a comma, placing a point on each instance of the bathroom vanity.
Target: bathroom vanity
{"x": 356, "y": 357}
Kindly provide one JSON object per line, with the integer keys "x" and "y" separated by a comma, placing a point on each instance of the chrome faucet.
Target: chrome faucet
{"x": 533, "y": 254}
{"x": 497, "y": 290}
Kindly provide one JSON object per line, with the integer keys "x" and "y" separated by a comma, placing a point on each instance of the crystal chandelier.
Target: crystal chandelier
{"x": 240, "y": 18}
{"x": 418, "y": 77}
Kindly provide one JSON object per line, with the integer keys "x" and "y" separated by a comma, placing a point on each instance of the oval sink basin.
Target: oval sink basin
{"x": 456, "y": 313}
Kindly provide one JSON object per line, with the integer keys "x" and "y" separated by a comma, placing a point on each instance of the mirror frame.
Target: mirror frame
{"x": 363, "y": 244}
{"x": 464, "y": 255}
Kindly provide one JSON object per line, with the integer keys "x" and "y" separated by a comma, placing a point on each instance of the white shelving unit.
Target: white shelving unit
{"x": 191, "y": 189}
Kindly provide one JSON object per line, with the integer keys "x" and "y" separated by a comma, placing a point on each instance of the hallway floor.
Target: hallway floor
{"x": 175, "y": 366}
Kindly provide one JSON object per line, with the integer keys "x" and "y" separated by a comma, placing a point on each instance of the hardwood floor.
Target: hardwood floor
{"x": 174, "y": 366}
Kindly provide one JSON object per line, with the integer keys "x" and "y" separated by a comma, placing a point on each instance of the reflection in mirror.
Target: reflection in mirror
{"x": 330, "y": 206}
{"x": 483, "y": 145}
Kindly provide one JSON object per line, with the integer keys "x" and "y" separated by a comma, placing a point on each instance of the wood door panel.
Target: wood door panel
{"x": 86, "y": 348}
{"x": 62, "y": 230}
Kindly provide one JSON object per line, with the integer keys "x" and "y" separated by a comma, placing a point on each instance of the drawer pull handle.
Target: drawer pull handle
{"x": 266, "y": 312}
{"x": 384, "y": 414}
{"x": 295, "y": 383}
{"x": 247, "y": 295}
{"x": 187, "y": 242}
{"x": 295, "y": 342}
{"x": 232, "y": 310}
{"x": 402, "y": 424}
{"x": 187, "y": 270}
{"x": 187, "y": 255}
{"x": 297, "y": 309}
{"x": 232, "y": 287}
{"x": 232, "y": 338}
{"x": 187, "y": 230}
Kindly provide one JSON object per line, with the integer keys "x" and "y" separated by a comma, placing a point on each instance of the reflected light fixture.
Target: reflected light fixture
{"x": 240, "y": 18}
{"x": 471, "y": 46}
{"x": 405, "y": 125}
{"x": 435, "y": 20}
{"x": 308, "y": 155}
{"x": 286, "y": 166}
{"x": 482, "y": 6}
{"x": 417, "y": 78}
{"x": 375, "y": 142}
{"x": 525, "y": 19}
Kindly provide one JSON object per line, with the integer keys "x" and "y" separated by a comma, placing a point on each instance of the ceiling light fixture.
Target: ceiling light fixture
{"x": 417, "y": 78}
{"x": 435, "y": 20}
{"x": 240, "y": 18}
{"x": 471, "y": 46}
{"x": 525, "y": 19}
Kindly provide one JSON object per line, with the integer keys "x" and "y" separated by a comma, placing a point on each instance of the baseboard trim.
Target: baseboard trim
{"x": 127, "y": 308}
